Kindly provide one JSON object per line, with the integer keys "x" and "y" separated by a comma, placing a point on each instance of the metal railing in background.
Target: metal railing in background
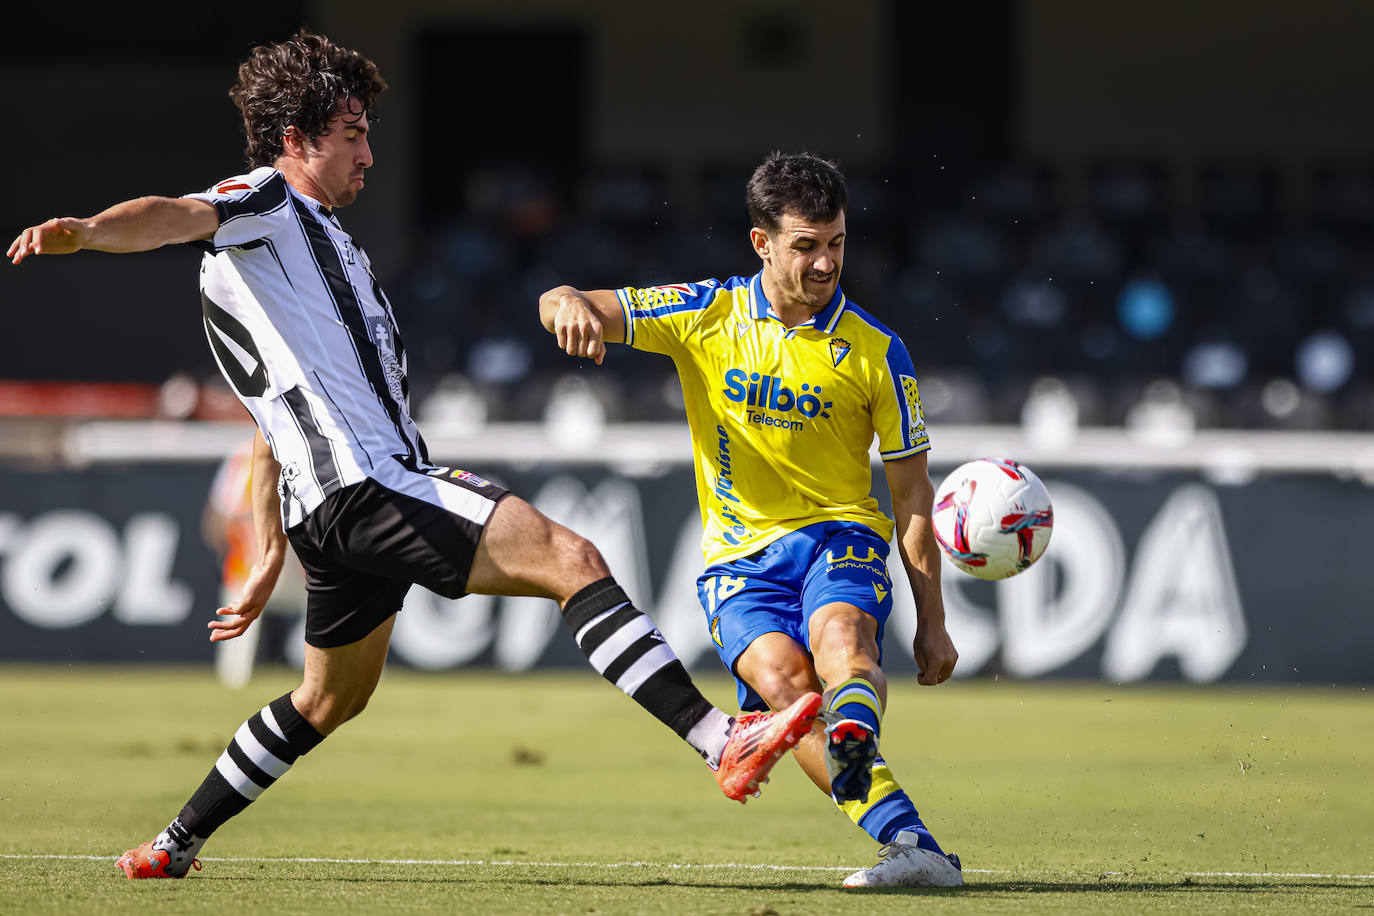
{"x": 1224, "y": 455}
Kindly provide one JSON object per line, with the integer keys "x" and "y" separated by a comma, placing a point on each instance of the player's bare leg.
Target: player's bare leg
{"x": 338, "y": 682}
{"x": 844, "y": 643}
{"x": 523, "y": 552}
{"x": 335, "y": 687}
{"x": 780, "y": 671}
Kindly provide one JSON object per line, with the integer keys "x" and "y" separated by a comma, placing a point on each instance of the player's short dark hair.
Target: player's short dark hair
{"x": 798, "y": 183}
{"x": 300, "y": 82}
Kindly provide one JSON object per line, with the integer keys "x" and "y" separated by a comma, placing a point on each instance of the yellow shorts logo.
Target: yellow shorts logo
{"x": 849, "y": 554}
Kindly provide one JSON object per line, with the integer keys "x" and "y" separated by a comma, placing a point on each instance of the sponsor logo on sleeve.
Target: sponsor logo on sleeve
{"x": 469, "y": 477}
{"x": 915, "y": 418}
{"x": 652, "y": 297}
{"x": 232, "y": 184}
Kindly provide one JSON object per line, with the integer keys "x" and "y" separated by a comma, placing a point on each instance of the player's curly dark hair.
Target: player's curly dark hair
{"x": 300, "y": 82}
{"x": 799, "y": 183}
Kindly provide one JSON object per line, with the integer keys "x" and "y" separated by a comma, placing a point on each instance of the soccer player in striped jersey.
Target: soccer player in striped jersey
{"x": 786, "y": 384}
{"x": 304, "y": 334}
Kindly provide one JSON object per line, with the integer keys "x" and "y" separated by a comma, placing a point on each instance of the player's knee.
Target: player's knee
{"x": 326, "y": 711}
{"x": 838, "y": 665}
{"x": 780, "y": 685}
{"x": 578, "y": 558}
{"x": 844, "y": 638}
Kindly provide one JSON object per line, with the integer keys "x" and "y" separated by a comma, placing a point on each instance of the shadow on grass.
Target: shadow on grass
{"x": 1180, "y": 886}
{"x": 1109, "y": 885}
{"x": 535, "y": 882}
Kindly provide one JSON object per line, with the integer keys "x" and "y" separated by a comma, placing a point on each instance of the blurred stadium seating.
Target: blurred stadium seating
{"x": 1248, "y": 297}
{"x": 1243, "y": 289}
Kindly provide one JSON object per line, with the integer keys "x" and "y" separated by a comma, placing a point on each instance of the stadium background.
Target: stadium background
{"x": 1127, "y": 244}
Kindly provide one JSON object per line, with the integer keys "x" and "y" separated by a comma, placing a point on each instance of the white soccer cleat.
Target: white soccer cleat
{"x": 902, "y": 863}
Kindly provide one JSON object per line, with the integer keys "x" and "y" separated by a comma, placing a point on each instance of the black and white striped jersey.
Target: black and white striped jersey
{"x": 304, "y": 334}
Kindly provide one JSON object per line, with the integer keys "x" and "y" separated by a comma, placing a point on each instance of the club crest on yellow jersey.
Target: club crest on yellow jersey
{"x": 839, "y": 349}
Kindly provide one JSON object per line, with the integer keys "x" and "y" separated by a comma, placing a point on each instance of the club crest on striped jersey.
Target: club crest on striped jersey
{"x": 384, "y": 338}
{"x": 839, "y": 349}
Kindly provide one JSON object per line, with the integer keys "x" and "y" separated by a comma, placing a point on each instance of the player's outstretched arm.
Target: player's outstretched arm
{"x": 141, "y": 224}
{"x": 908, "y": 479}
{"x": 235, "y": 619}
{"x": 582, "y": 322}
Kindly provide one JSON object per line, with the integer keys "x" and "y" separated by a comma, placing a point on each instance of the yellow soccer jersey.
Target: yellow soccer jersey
{"x": 782, "y": 419}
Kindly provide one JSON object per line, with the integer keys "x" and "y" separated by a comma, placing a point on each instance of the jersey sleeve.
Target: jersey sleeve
{"x": 250, "y": 207}
{"x": 658, "y": 319}
{"x": 897, "y": 416}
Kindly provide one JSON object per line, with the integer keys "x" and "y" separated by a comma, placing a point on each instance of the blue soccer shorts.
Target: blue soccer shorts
{"x": 777, "y": 589}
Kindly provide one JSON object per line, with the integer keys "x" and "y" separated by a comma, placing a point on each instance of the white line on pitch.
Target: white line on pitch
{"x": 680, "y": 866}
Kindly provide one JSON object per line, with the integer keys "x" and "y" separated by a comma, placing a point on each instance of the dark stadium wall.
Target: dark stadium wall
{"x": 1177, "y": 78}
{"x": 133, "y": 101}
{"x": 107, "y": 102}
{"x": 96, "y": 118}
{"x": 716, "y": 86}
{"x": 953, "y": 78}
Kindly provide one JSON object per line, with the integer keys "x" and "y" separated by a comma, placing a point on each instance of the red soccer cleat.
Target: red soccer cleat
{"x": 758, "y": 740}
{"x": 147, "y": 862}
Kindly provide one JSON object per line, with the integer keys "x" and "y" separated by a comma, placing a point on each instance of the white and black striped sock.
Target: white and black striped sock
{"x": 625, "y": 648}
{"x": 263, "y": 749}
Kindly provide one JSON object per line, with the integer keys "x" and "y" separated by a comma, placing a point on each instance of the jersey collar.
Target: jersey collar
{"x": 317, "y": 205}
{"x": 824, "y": 320}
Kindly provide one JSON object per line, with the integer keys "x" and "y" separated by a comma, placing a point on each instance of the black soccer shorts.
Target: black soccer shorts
{"x": 367, "y": 543}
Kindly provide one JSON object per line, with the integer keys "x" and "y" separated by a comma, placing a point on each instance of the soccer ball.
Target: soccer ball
{"x": 992, "y": 518}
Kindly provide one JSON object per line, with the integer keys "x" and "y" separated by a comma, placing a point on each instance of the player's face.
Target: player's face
{"x": 334, "y": 164}
{"x": 802, "y": 260}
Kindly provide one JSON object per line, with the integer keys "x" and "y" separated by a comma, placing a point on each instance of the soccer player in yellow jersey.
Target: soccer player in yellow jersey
{"x": 786, "y": 384}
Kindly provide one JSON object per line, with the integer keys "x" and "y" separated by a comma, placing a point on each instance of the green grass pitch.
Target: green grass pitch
{"x": 553, "y": 793}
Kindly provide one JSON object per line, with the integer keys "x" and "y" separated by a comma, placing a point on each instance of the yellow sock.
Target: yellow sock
{"x": 888, "y": 810}
{"x": 883, "y": 785}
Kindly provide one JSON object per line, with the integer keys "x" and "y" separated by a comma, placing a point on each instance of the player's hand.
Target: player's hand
{"x": 237, "y": 617}
{"x": 935, "y": 655}
{"x": 56, "y": 236}
{"x": 578, "y": 328}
